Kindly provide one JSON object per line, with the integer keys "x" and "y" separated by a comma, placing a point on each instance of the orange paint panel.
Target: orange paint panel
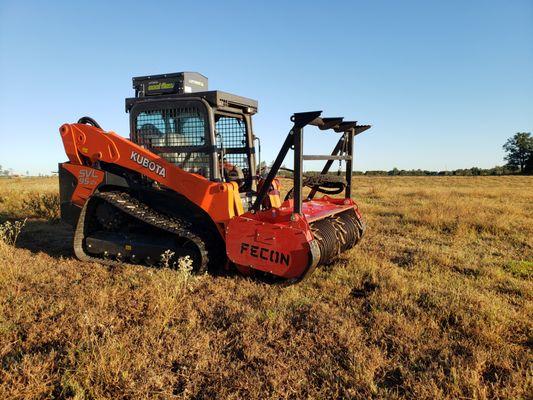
{"x": 277, "y": 249}
{"x": 69, "y": 143}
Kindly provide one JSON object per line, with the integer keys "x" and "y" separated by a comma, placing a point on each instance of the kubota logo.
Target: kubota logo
{"x": 265, "y": 254}
{"x": 150, "y": 165}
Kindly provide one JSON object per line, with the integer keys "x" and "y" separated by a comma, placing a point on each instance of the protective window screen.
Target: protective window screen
{"x": 232, "y": 136}
{"x": 160, "y": 130}
{"x": 197, "y": 163}
{"x": 239, "y": 160}
{"x": 233, "y": 132}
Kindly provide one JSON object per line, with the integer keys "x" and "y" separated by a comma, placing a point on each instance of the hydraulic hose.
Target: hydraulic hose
{"x": 89, "y": 121}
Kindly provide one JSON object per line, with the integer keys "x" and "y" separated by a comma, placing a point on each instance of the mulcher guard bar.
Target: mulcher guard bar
{"x": 294, "y": 139}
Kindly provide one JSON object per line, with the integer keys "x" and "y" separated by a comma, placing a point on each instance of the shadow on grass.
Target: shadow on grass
{"x": 55, "y": 239}
{"x": 52, "y": 238}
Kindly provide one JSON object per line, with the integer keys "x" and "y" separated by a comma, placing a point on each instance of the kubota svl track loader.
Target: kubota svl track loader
{"x": 186, "y": 181}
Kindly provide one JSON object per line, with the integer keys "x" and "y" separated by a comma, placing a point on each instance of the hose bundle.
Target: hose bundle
{"x": 325, "y": 184}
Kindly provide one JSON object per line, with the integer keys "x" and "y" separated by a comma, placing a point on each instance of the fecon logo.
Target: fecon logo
{"x": 265, "y": 254}
{"x": 150, "y": 165}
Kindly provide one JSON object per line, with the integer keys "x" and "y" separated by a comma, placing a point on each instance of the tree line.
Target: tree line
{"x": 474, "y": 171}
{"x": 519, "y": 157}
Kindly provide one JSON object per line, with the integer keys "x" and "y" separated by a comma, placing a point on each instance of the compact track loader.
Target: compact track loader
{"x": 187, "y": 181}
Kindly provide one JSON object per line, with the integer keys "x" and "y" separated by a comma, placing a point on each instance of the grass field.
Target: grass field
{"x": 435, "y": 302}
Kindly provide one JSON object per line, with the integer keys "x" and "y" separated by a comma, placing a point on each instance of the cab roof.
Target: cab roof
{"x": 216, "y": 98}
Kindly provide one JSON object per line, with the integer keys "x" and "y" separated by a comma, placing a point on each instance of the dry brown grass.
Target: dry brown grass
{"x": 434, "y": 303}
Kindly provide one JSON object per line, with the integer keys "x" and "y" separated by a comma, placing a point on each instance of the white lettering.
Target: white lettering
{"x": 146, "y": 163}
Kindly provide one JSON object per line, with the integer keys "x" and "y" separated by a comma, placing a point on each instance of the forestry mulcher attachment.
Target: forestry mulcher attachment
{"x": 186, "y": 181}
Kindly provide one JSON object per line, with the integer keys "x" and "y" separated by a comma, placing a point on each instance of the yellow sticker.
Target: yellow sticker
{"x": 127, "y": 247}
{"x": 84, "y": 149}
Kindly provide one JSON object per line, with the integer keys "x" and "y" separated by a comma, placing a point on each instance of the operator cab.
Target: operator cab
{"x": 200, "y": 131}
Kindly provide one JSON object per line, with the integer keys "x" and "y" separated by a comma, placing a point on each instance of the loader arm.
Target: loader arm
{"x": 92, "y": 148}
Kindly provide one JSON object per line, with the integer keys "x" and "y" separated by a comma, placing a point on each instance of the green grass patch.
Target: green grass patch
{"x": 520, "y": 269}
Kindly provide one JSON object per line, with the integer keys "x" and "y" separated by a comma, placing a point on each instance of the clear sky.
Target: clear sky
{"x": 443, "y": 83}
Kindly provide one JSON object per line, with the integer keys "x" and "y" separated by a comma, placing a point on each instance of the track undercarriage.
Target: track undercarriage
{"x": 115, "y": 227}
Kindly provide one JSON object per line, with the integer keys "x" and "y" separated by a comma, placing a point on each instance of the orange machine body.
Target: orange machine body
{"x": 274, "y": 240}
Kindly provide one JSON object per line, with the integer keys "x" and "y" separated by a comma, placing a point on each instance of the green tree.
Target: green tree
{"x": 394, "y": 171}
{"x": 529, "y": 165}
{"x": 519, "y": 149}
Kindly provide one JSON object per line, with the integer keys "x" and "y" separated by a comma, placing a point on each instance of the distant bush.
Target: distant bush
{"x": 376, "y": 173}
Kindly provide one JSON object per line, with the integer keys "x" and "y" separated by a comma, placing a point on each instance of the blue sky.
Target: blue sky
{"x": 443, "y": 83}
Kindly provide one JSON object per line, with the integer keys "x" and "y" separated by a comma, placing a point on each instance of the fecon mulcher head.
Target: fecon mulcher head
{"x": 187, "y": 181}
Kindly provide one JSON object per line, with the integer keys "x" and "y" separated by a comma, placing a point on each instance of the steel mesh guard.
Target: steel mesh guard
{"x": 158, "y": 130}
{"x": 232, "y": 130}
{"x": 232, "y": 136}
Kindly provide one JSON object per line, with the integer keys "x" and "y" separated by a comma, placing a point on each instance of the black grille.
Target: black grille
{"x": 197, "y": 163}
{"x": 239, "y": 160}
{"x": 175, "y": 127}
{"x": 232, "y": 136}
{"x": 161, "y": 130}
{"x": 233, "y": 132}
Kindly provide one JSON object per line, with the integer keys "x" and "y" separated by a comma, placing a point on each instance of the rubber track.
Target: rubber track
{"x": 142, "y": 212}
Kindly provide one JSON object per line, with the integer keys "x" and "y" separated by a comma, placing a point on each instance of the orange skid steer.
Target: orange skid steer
{"x": 186, "y": 184}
